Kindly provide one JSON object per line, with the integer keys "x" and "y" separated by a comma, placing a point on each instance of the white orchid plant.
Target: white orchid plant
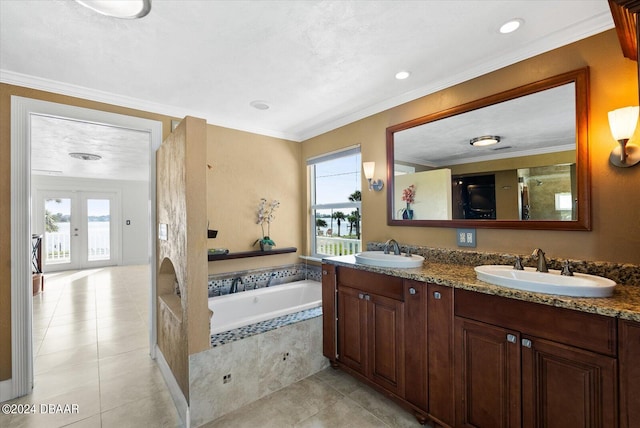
{"x": 265, "y": 215}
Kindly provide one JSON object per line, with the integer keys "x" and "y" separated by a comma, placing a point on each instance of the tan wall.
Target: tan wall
{"x": 244, "y": 168}
{"x": 613, "y": 83}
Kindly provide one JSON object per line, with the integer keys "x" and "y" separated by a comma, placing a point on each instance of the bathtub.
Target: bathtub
{"x": 237, "y": 310}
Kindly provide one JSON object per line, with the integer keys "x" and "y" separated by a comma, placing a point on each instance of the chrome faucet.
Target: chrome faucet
{"x": 542, "y": 262}
{"x": 234, "y": 285}
{"x": 273, "y": 275}
{"x": 396, "y": 247}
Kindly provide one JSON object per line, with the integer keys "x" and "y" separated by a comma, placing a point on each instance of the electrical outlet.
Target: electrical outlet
{"x": 466, "y": 237}
{"x": 226, "y": 378}
{"x": 285, "y": 356}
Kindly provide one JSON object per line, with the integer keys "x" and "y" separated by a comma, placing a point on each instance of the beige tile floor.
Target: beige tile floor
{"x": 91, "y": 349}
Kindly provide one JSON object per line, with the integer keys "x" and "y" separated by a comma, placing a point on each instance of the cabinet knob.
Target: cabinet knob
{"x": 526, "y": 343}
{"x": 367, "y": 297}
{"x": 360, "y": 295}
{"x": 437, "y": 295}
{"x": 412, "y": 290}
{"x": 511, "y": 338}
{"x": 324, "y": 272}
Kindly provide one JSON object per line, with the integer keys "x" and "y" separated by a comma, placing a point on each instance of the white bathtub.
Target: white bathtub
{"x": 249, "y": 307}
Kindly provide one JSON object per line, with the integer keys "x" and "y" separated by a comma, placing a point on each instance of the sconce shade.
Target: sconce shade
{"x": 368, "y": 168}
{"x": 623, "y": 122}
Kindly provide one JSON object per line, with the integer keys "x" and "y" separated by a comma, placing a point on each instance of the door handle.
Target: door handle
{"x": 437, "y": 295}
{"x": 526, "y": 343}
{"x": 511, "y": 338}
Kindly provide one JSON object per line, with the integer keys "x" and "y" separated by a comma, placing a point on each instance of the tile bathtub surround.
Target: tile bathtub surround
{"x": 263, "y": 326}
{"x": 229, "y": 376}
{"x": 220, "y": 284}
{"x": 621, "y": 273}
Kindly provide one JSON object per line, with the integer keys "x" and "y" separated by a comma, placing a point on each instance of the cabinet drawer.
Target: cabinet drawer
{"x": 580, "y": 329}
{"x": 376, "y": 283}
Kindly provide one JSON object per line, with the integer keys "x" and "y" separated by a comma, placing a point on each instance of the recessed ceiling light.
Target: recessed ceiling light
{"x": 126, "y": 9}
{"x": 511, "y": 26}
{"x": 260, "y": 105}
{"x": 485, "y": 140}
{"x": 85, "y": 156}
{"x": 401, "y": 75}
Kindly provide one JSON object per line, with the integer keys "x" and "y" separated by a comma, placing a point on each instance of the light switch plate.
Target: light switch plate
{"x": 466, "y": 237}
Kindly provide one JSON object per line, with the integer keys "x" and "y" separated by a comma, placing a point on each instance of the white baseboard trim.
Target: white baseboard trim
{"x": 174, "y": 389}
{"x": 6, "y": 390}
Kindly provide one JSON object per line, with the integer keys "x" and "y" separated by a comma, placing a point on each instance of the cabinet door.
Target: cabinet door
{"x": 352, "y": 329}
{"x": 329, "y": 312}
{"x": 415, "y": 343}
{"x": 487, "y": 370}
{"x": 564, "y": 386}
{"x": 386, "y": 343}
{"x": 629, "y": 340}
{"x": 440, "y": 345}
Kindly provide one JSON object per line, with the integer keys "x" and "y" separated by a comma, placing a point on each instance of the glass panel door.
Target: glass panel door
{"x": 57, "y": 231}
{"x": 80, "y": 229}
{"x": 98, "y": 229}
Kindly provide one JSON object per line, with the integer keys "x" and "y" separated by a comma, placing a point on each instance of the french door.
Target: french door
{"x": 80, "y": 229}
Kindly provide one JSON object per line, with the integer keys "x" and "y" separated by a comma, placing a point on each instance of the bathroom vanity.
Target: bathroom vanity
{"x": 462, "y": 353}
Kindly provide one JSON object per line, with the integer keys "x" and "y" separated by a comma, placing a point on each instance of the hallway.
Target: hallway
{"x": 91, "y": 347}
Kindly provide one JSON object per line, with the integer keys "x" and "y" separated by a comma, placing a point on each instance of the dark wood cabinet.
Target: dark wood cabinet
{"x": 415, "y": 338}
{"x": 440, "y": 346}
{"x": 629, "y": 357}
{"x": 459, "y": 358}
{"x": 371, "y": 337}
{"x": 487, "y": 364}
{"x": 506, "y": 375}
{"x": 352, "y": 329}
{"x": 565, "y": 386}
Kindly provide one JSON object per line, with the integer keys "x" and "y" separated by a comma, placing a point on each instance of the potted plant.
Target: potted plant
{"x": 409, "y": 196}
{"x": 265, "y": 214}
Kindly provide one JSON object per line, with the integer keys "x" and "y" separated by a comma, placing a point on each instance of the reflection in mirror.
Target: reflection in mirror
{"x": 533, "y": 173}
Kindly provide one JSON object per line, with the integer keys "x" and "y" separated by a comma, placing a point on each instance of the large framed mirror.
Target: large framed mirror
{"x": 518, "y": 159}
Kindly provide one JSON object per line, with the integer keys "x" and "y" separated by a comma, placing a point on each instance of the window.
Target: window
{"x": 335, "y": 218}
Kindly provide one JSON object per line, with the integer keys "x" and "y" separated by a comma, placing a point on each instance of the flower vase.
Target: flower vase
{"x": 264, "y": 246}
{"x": 407, "y": 214}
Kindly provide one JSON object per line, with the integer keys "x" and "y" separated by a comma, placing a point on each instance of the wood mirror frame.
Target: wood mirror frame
{"x": 583, "y": 176}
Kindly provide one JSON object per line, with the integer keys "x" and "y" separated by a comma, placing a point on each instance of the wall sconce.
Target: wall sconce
{"x": 369, "y": 168}
{"x": 623, "y": 123}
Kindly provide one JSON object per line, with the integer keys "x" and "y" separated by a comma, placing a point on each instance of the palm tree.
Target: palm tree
{"x": 320, "y": 223}
{"x": 356, "y": 197}
{"x": 338, "y": 215}
{"x": 50, "y": 221}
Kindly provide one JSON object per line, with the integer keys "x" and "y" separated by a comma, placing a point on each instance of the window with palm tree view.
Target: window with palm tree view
{"x": 335, "y": 203}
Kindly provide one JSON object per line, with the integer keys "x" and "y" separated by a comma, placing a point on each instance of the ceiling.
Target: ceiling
{"x": 318, "y": 65}
{"x": 538, "y": 123}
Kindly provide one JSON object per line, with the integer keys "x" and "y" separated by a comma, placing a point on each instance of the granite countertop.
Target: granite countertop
{"x": 624, "y": 304}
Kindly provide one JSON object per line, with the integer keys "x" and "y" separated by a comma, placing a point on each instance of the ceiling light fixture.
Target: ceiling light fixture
{"x": 125, "y": 9}
{"x": 85, "y": 156}
{"x": 485, "y": 140}
{"x": 260, "y": 105}
{"x": 511, "y": 26}
{"x": 401, "y": 75}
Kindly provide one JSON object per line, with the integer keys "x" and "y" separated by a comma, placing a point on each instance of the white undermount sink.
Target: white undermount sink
{"x": 380, "y": 259}
{"x": 578, "y": 285}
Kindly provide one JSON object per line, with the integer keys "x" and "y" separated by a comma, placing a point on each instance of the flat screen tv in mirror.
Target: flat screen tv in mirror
{"x": 528, "y": 167}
